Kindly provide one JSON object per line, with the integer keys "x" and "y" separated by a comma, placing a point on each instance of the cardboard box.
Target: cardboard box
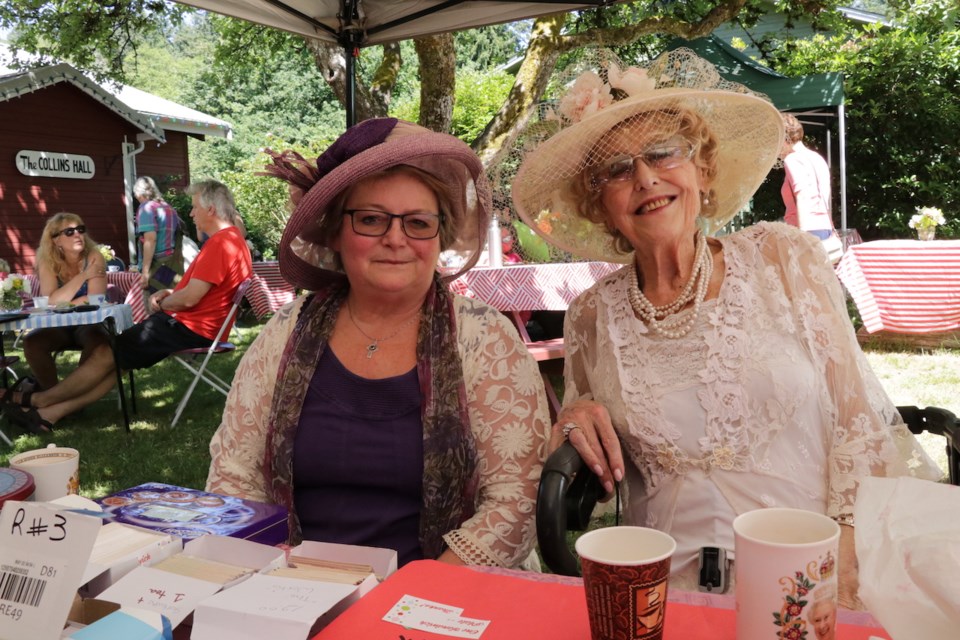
{"x": 120, "y": 548}
{"x": 383, "y": 562}
{"x": 190, "y": 513}
{"x": 271, "y": 607}
{"x": 175, "y": 595}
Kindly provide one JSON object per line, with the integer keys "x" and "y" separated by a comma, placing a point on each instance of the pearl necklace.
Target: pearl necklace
{"x": 374, "y": 345}
{"x": 660, "y": 318}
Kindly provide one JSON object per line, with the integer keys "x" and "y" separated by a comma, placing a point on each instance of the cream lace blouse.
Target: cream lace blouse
{"x": 508, "y": 414}
{"x": 767, "y": 402}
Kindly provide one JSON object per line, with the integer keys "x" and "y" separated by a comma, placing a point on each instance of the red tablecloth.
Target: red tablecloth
{"x": 269, "y": 291}
{"x": 904, "y": 286}
{"x": 531, "y": 287}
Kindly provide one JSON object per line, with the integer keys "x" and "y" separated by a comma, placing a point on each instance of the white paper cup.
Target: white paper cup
{"x": 55, "y": 471}
{"x": 786, "y": 574}
{"x": 41, "y": 302}
{"x": 625, "y": 571}
{"x": 97, "y": 298}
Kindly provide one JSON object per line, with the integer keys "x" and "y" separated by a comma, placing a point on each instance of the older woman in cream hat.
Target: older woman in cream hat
{"x": 713, "y": 375}
{"x": 381, "y": 409}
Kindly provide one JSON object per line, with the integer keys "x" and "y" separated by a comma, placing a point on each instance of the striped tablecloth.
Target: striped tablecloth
{"x": 904, "y": 286}
{"x": 127, "y": 284}
{"x": 531, "y": 287}
{"x": 121, "y": 313}
{"x": 269, "y": 291}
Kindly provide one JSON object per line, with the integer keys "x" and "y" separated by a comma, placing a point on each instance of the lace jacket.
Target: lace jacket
{"x": 768, "y": 401}
{"x": 508, "y": 415}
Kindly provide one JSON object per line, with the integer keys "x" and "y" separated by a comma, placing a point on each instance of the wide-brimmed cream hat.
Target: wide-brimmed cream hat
{"x": 365, "y": 149}
{"x": 746, "y": 125}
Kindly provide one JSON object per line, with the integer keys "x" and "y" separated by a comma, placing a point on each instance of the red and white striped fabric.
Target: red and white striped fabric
{"x": 904, "y": 286}
{"x": 531, "y": 287}
{"x": 269, "y": 291}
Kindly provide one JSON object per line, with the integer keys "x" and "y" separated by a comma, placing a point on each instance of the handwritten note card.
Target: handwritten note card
{"x": 424, "y": 615}
{"x": 168, "y": 594}
{"x": 43, "y": 554}
{"x": 269, "y": 607}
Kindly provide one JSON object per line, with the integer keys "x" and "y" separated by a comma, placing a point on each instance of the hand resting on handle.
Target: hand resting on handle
{"x": 593, "y": 437}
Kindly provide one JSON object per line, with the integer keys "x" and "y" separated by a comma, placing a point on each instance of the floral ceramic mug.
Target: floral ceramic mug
{"x": 786, "y": 574}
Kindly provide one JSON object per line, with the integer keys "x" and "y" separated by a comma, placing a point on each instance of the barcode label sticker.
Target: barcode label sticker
{"x": 43, "y": 554}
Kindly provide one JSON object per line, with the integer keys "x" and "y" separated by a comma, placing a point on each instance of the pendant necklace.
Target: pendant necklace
{"x": 374, "y": 345}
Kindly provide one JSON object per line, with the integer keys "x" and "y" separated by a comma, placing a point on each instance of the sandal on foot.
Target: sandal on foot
{"x": 29, "y": 420}
{"x": 8, "y": 393}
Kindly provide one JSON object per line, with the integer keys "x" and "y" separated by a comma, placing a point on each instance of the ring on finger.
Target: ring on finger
{"x": 567, "y": 428}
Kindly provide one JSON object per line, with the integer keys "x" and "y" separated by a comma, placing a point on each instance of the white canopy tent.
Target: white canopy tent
{"x": 360, "y": 23}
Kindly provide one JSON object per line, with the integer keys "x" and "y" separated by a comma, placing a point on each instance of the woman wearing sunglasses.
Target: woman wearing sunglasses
{"x": 70, "y": 269}
{"x": 381, "y": 409}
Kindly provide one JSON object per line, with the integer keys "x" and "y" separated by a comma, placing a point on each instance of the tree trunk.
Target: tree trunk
{"x": 437, "y": 81}
{"x": 532, "y": 78}
{"x": 370, "y": 101}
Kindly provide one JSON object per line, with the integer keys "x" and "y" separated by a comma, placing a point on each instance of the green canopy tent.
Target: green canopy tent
{"x": 818, "y": 95}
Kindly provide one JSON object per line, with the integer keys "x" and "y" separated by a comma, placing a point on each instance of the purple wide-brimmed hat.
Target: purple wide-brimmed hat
{"x": 372, "y": 146}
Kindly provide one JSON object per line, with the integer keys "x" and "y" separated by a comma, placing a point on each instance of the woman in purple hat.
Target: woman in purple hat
{"x": 381, "y": 409}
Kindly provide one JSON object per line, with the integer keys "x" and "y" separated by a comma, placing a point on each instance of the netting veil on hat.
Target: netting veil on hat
{"x": 584, "y": 126}
{"x": 363, "y": 150}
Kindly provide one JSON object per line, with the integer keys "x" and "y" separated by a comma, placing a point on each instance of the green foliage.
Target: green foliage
{"x": 903, "y": 115}
{"x": 94, "y": 35}
{"x": 479, "y": 96}
{"x": 263, "y": 200}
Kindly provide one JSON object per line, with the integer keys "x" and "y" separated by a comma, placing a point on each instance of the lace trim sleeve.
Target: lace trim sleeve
{"x": 237, "y": 447}
{"x": 509, "y": 418}
{"x": 867, "y": 436}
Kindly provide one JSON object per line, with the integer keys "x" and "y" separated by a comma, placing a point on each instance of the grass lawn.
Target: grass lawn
{"x": 111, "y": 459}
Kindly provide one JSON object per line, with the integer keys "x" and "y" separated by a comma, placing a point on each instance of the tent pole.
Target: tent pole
{"x": 843, "y": 167}
{"x": 351, "y": 89}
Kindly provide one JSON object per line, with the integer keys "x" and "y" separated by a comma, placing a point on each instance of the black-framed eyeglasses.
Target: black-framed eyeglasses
{"x": 69, "y": 231}
{"x": 373, "y": 223}
{"x": 668, "y": 154}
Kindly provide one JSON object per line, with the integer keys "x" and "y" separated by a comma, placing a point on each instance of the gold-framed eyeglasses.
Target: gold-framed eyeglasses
{"x": 661, "y": 156}
{"x": 374, "y": 223}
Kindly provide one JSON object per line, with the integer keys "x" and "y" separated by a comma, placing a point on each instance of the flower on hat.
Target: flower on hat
{"x": 632, "y": 80}
{"x": 926, "y": 218}
{"x": 588, "y": 95}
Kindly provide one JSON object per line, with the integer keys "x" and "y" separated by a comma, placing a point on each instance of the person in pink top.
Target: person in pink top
{"x": 806, "y": 185}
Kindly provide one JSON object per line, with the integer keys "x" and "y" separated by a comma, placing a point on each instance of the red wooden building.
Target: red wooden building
{"x": 67, "y": 144}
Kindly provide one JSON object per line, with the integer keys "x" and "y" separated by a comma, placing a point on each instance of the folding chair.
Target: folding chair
{"x": 216, "y": 347}
{"x": 942, "y": 423}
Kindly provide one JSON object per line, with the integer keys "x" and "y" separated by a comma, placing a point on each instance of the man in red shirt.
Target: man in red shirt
{"x": 186, "y": 317}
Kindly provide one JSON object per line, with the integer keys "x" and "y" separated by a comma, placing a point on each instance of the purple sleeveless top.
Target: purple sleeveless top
{"x": 358, "y": 460}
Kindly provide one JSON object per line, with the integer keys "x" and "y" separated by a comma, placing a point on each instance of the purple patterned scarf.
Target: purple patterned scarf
{"x": 450, "y": 476}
